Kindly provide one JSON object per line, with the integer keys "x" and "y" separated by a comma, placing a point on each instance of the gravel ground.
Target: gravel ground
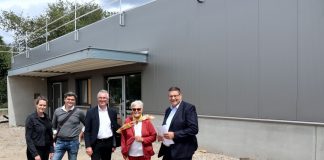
{"x": 13, "y": 146}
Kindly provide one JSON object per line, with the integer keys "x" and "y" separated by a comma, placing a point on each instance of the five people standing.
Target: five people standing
{"x": 137, "y": 133}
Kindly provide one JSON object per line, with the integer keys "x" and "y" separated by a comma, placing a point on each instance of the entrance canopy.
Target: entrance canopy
{"x": 83, "y": 60}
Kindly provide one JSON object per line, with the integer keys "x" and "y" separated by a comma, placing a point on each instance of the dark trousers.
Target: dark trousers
{"x": 167, "y": 155}
{"x": 102, "y": 149}
{"x": 42, "y": 151}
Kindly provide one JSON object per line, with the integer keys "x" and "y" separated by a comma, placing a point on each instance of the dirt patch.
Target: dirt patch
{"x": 13, "y": 146}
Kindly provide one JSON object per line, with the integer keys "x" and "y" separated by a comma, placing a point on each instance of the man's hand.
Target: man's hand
{"x": 113, "y": 149}
{"x": 89, "y": 151}
{"x": 81, "y": 136}
{"x": 168, "y": 135}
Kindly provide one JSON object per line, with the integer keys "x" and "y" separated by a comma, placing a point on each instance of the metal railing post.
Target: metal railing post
{"x": 76, "y": 34}
{"x": 19, "y": 49}
{"x": 120, "y": 6}
{"x": 46, "y": 33}
{"x": 12, "y": 54}
{"x": 75, "y": 16}
{"x": 26, "y": 45}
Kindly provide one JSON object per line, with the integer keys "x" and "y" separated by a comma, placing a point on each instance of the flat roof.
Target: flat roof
{"x": 78, "y": 61}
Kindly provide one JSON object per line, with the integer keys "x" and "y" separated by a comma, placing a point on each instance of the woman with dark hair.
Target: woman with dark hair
{"x": 38, "y": 132}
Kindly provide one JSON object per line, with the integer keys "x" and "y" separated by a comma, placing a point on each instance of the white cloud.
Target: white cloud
{"x": 6, "y": 37}
{"x": 28, "y": 8}
{"x": 31, "y": 7}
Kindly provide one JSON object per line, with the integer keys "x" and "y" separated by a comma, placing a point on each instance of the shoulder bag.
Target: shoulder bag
{"x": 62, "y": 123}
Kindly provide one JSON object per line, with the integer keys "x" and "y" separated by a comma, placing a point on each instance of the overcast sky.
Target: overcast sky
{"x": 34, "y": 8}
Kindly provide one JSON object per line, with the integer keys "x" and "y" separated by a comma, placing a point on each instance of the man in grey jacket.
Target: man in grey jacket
{"x": 68, "y": 133}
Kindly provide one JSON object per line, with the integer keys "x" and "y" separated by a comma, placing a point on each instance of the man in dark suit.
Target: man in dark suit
{"x": 182, "y": 124}
{"x": 100, "y": 129}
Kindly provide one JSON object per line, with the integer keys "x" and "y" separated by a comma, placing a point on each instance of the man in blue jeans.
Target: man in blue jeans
{"x": 68, "y": 134}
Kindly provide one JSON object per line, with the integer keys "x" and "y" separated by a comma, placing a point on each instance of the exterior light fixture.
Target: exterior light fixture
{"x": 122, "y": 19}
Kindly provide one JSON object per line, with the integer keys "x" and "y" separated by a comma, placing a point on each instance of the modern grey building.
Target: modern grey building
{"x": 253, "y": 68}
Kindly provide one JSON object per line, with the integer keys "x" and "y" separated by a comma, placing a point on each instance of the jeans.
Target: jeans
{"x": 61, "y": 146}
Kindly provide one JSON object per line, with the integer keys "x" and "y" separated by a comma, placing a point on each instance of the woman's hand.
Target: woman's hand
{"x": 125, "y": 157}
{"x": 38, "y": 157}
{"x": 51, "y": 155}
{"x": 138, "y": 139}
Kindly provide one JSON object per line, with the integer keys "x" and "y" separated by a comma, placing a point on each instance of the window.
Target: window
{"x": 83, "y": 89}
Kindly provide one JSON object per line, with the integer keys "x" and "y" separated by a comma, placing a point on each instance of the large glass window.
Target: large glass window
{"x": 133, "y": 89}
{"x": 123, "y": 90}
{"x": 83, "y": 89}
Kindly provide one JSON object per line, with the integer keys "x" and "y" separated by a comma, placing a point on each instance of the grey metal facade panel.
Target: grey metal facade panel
{"x": 311, "y": 61}
{"x": 252, "y": 58}
{"x": 278, "y": 59}
{"x": 242, "y": 76}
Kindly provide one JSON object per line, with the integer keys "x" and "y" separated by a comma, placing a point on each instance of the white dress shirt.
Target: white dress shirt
{"x": 104, "y": 124}
{"x": 171, "y": 115}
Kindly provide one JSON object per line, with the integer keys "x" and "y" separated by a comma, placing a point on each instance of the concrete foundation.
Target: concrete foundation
{"x": 260, "y": 140}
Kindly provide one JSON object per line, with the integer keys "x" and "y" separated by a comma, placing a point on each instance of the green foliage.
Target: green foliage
{"x": 4, "y": 67}
{"x": 59, "y": 16}
{"x": 4, "y": 105}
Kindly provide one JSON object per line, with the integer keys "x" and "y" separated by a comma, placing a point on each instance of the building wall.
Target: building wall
{"x": 255, "y": 58}
{"x": 21, "y": 92}
{"x": 258, "y": 59}
{"x": 259, "y": 140}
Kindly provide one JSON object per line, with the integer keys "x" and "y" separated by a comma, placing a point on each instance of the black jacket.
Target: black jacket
{"x": 185, "y": 127}
{"x": 92, "y": 125}
{"x": 38, "y": 132}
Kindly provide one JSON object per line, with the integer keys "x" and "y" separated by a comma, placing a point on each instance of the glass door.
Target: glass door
{"x": 57, "y": 96}
{"x": 116, "y": 89}
{"x": 123, "y": 90}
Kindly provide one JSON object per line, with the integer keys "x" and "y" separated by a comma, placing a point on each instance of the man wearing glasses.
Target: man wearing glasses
{"x": 182, "y": 125}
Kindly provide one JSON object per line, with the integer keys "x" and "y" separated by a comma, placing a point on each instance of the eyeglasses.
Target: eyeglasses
{"x": 171, "y": 96}
{"x": 136, "y": 109}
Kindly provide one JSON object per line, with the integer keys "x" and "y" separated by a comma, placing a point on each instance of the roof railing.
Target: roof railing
{"x": 42, "y": 35}
{"x": 24, "y": 43}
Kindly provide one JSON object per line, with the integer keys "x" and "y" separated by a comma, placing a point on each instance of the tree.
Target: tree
{"x": 57, "y": 14}
{"x": 4, "y": 67}
{"x": 36, "y": 30}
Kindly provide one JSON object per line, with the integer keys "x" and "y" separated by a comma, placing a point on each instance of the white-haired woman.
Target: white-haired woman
{"x": 137, "y": 134}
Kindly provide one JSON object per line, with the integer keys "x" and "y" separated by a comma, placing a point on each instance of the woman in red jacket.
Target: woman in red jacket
{"x": 137, "y": 134}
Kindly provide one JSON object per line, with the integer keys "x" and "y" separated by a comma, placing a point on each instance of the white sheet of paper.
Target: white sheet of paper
{"x": 161, "y": 130}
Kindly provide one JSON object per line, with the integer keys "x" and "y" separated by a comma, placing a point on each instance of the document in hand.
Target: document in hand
{"x": 161, "y": 130}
